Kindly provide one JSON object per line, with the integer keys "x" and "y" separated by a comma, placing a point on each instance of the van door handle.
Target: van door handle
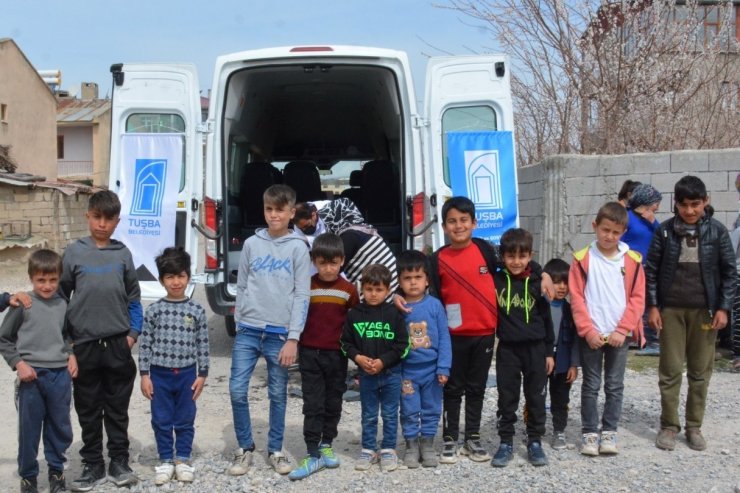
{"x": 205, "y": 233}
{"x": 424, "y": 229}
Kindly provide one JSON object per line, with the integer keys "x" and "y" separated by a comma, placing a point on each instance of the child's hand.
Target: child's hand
{"x": 442, "y": 379}
{"x": 549, "y": 364}
{"x": 26, "y": 373}
{"x": 400, "y": 303}
{"x": 616, "y": 339}
{"x": 286, "y": 357}
{"x": 364, "y": 363}
{"x": 131, "y": 341}
{"x": 572, "y": 374}
{"x": 147, "y": 388}
{"x": 20, "y": 298}
{"x": 720, "y": 320}
{"x": 547, "y": 286}
{"x": 654, "y": 319}
{"x": 197, "y": 387}
{"x": 378, "y": 365}
{"x": 72, "y": 366}
{"x": 594, "y": 340}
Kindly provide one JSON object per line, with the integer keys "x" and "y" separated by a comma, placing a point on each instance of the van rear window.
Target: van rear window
{"x": 468, "y": 118}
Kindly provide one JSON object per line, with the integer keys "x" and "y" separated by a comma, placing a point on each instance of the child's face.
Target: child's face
{"x": 459, "y": 228}
{"x": 561, "y": 289}
{"x": 414, "y": 284}
{"x": 375, "y": 294}
{"x": 328, "y": 270}
{"x": 691, "y": 210}
{"x": 516, "y": 262}
{"x": 278, "y": 218}
{"x": 45, "y": 284}
{"x": 101, "y": 227}
{"x": 175, "y": 284}
{"x": 608, "y": 234}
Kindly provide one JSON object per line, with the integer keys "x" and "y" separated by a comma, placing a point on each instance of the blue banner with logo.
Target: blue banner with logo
{"x": 482, "y": 168}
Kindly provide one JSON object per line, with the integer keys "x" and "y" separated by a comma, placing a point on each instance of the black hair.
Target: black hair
{"x": 303, "y": 211}
{"x": 689, "y": 188}
{"x": 327, "y": 246}
{"x": 462, "y": 204}
{"x": 516, "y": 240}
{"x": 627, "y": 188}
{"x": 106, "y": 203}
{"x": 279, "y": 195}
{"x": 375, "y": 274}
{"x": 173, "y": 260}
{"x": 412, "y": 260}
{"x": 44, "y": 261}
{"x": 558, "y": 270}
{"x": 613, "y": 211}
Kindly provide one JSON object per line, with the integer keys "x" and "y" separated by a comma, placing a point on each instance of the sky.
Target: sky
{"x": 82, "y": 38}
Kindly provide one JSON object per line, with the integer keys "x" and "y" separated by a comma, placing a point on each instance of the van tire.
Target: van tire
{"x": 230, "y": 325}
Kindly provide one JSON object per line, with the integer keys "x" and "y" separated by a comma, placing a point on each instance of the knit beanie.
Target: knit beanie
{"x": 644, "y": 195}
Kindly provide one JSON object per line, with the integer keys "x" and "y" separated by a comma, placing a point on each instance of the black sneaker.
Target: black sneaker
{"x": 56, "y": 481}
{"x": 92, "y": 475}
{"x": 120, "y": 473}
{"x": 503, "y": 455}
{"x": 536, "y": 454}
{"x": 28, "y": 485}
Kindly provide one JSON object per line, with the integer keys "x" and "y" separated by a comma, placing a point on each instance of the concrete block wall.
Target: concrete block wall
{"x": 559, "y": 197}
{"x": 55, "y": 216}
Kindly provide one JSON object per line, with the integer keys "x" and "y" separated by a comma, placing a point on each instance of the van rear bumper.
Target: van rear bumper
{"x": 219, "y": 300}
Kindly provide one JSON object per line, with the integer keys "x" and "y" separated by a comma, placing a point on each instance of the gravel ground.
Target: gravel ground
{"x": 640, "y": 467}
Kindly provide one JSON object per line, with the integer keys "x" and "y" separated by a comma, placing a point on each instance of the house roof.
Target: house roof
{"x": 71, "y": 111}
{"x": 41, "y": 79}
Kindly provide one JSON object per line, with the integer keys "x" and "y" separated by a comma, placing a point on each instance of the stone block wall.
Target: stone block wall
{"x": 559, "y": 197}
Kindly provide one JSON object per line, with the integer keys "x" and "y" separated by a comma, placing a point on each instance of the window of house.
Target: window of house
{"x": 468, "y": 118}
{"x": 60, "y": 146}
{"x": 3, "y": 113}
{"x": 159, "y": 123}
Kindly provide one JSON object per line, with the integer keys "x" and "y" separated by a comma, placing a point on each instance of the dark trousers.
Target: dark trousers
{"x": 323, "y": 382}
{"x": 559, "y": 400}
{"x": 173, "y": 411}
{"x": 516, "y": 362}
{"x": 102, "y": 391}
{"x": 43, "y": 410}
{"x": 471, "y": 360}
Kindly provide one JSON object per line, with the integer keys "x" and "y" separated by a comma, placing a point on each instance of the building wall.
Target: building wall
{"x": 101, "y": 149}
{"x": 78, "y": 142}
{"x": 559, "y": 197}
{"x": 30, "y": 126}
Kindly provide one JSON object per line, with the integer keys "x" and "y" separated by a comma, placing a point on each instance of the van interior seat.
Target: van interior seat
{"x": 381, "y": 195}
{"x": 354, "y": 192}
{"x": 256, "y": 178}
{"x": 303, "y": 177}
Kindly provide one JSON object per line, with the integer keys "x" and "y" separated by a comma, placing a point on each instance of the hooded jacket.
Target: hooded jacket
{"x": 103, "y": 291}
{"x": 273, "y": 283}
{"x": 378, "y": 332}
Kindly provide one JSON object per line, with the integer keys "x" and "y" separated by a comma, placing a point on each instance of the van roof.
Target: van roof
{"x": 303, "y": 51}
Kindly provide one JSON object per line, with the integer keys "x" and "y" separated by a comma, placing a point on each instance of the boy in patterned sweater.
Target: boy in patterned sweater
{"x": 173, "y": 362}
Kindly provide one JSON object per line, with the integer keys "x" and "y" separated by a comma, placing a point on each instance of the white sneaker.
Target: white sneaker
{"x": 241, "y": 462}
{"x": 279, "y": 461}
{"x": 590, "y": 444}
{"x": 163, "y": 473}
{"x": 608, "y": 443}
{"x": 184, "y": 472}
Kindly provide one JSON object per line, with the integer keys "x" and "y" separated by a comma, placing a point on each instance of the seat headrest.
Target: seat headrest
{"x": 355, "y": 178}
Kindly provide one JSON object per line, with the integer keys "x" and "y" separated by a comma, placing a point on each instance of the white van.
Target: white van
{"x": 328, "y": 120}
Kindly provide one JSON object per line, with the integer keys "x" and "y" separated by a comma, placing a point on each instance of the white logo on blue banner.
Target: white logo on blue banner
{"x": 482, "y": 168}
{"x": 149, "y": 179}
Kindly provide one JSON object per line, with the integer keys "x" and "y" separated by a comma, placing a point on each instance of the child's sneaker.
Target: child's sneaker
{"x": 475, "y": 451}
{"x": 29, "y": 485}
{"x": 608, "y": 443}
{"x": 92, "y": 475}
{"x": 536, "y": 454}
{"x": 163, "y": 473}
{"x": 331, "y": 461}
{"x": 307, "y": 466}
{"x": 366, "y": 459}
{"x": 503, "y": 455}
{"x": 426, "y": 450}
{"x": 184, "y": 472}
{"x": 241, "y": 462}
{"x": 120, "y": 473}
{"x": 411, "y": 456}
{"x": 449, "y": 452}
{"x": 57, "y": 483}
{"x": 279, "y": 462}
{"x": 388, "y": 460}
{"x": 590, "y": 444}
{"x": 558, "y": 441}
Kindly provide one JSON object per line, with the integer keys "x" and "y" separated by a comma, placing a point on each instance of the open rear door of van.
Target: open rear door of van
{"x": 156, "y": 163}
{"x": 463, "y": 94}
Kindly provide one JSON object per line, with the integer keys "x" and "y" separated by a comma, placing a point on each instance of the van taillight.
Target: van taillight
{"x": 211, "y": 223}
{"x": 300, "y": 49}
{"x": 417, "y": 212}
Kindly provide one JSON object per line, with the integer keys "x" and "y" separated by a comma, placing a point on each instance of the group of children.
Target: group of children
{"x": 418, "y": 351}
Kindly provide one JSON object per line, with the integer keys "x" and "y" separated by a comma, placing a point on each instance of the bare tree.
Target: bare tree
{"x": 615, "y": 77}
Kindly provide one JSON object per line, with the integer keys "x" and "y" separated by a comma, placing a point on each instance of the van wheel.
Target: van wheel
{"x": 230, "y": 325}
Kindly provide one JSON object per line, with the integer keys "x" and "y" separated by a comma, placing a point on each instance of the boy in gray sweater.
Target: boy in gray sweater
{"x": 34, "y": 343}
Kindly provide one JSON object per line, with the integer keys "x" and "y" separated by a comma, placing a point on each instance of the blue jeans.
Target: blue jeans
{"x": 613, "y": 360}
{"x": 382, "y": 390}
{"x": 421, "y": 402}
{"x": 249, "y": 345}
{"x": 44, "y": 407}
{"x": 173, "y": 410}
